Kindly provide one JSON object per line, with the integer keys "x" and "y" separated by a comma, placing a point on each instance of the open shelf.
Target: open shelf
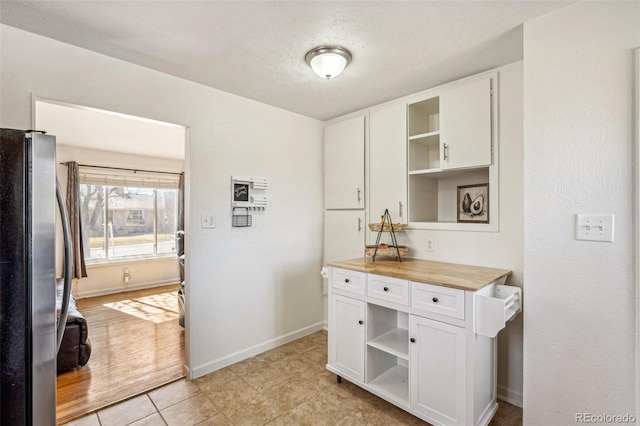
{"x": 433, "y": 193}
{"x": 393, "y": 382}
{"x": 424, "y": 151}
{"x": 394, "y": 341}
{"x": 426, "y": 136}
{"x": 424, "y": 117}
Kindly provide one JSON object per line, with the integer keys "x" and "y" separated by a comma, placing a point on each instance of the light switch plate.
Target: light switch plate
{"x": 594, "y": 227}
{"x": 207, "y": 221}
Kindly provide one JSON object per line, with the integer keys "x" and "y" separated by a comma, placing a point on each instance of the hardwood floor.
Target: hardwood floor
{"x": 137, "y": 345}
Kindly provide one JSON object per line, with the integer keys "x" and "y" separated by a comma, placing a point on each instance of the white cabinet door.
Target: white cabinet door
{"x": 346, "y": 336}
{"x": 388, "y": 162}
{"x": 437, "y": 365}
{"x": 465, "y": 125}
{"x": 344, "y": 164}
{"x": 344, "y": 232}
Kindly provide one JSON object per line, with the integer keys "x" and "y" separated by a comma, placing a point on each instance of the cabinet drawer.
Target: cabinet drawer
{"x": 346, "y": 280}
{"x": 387, "y": 288}
{"x": 437, "y": 299}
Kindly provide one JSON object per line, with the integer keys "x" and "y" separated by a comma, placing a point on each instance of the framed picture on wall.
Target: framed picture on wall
{"x": 473, "y": 203}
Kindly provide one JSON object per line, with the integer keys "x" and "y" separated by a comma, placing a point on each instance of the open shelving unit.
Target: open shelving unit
{"x": 449, "y": 140}
{"x": 388, "y": 352}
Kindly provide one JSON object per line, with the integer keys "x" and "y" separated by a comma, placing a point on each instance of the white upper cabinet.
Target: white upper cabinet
{"x": 451, "y": 130}
{"x": 344, "y": 164}
{"x": 344, "y": 234}
{"x": 388, "y": 162}
{"x": 451, "y": 145}
{"x": 465, "y": 125}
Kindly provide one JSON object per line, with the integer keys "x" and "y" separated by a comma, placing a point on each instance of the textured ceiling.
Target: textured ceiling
{"x": 256, "y": 49}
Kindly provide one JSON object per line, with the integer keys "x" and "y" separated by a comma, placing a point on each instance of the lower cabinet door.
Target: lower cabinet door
{"x": 347, "y": 332}
{"x": 436, "y": 362}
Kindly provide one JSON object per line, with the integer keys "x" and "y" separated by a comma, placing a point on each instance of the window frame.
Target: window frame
{"x": 106, "y": 235}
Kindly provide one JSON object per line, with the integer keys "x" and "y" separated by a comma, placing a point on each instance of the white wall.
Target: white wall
{"x": 248, "y": 288}
{"x": 580, "y": 313}
{"x": 502, "y": 249}
{"x": 108, "y": 278}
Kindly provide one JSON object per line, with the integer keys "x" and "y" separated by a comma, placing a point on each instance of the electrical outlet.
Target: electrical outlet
{"x": 207, "y": 221}
{"x": 430, "y": 244}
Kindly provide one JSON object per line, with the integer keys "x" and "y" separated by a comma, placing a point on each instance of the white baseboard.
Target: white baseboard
{"x": 122, "y": 288}
{"x": 325, "y": 325}
{"x": 510, "y": 396}
{"x": 186, "y": 371}
{"x": 219, "y": 363}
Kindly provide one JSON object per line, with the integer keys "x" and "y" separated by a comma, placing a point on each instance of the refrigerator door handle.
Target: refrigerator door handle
{"x": 64, "y": 309}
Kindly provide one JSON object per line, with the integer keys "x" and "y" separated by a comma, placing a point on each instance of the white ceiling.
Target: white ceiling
{"x": 107, "y": 131}
{"x": 256, "y": 49}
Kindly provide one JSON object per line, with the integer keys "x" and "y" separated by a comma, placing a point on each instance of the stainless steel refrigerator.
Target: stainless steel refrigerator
{"x": 29, "y": 336}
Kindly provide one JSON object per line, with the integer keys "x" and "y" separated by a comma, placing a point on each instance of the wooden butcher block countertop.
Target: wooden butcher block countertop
{"x": 464, "y": 277}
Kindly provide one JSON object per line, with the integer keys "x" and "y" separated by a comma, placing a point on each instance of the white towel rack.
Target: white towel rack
{"x": 492, "y": 312}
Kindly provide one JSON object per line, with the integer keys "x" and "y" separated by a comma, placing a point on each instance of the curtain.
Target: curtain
{"x": 78, "y": 269}
{"x": 180, "y": 226}
{"x": 181, "y": 204}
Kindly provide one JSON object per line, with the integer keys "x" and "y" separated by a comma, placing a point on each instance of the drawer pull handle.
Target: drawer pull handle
{"x": 386, "y": 289}
{"x": 412, "y": 340}
{"x": 435, "y": 300}
{"x": 360, "y": 322}
{"x": 346, "y": 280}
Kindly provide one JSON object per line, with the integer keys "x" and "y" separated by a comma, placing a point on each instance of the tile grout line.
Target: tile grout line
{"x": 157, "y": 410}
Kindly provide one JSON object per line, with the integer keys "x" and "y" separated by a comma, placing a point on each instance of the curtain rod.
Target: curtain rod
{"x": 123, "y": 168}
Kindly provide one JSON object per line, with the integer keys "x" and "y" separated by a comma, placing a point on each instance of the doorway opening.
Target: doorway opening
{"x": 130, "y": 183}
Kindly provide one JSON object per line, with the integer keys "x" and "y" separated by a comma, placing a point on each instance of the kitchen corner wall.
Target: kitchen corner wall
{"x": 580, "y": 311}
{"x": 248, "y": 289}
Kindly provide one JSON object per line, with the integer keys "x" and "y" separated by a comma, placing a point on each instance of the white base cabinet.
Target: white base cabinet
{"x": 416, "y": 344}
{"x": 348, "y": 332}
{"x": 438, "y": 369}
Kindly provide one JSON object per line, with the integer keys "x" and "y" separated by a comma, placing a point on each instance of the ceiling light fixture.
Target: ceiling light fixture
{"x": 328, "y": 61}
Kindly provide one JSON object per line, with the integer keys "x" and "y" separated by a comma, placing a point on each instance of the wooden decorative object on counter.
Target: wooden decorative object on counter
{"x": 397, "y": 227}
{"x": 385, "y": 225}
{"x": 388, "y": 251}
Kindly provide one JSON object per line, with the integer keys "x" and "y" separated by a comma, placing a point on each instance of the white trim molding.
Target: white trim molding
{"x": 509, "y": 395}
{"x": 219, "y": 363}
{"x": 636, "y": 131}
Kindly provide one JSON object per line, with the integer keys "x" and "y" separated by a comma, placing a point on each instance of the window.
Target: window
{"x": 135, "y": 217}
{"x": 141, "y": 220}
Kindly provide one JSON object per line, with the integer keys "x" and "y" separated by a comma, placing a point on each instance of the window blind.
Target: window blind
{"x": 130, "y": 178}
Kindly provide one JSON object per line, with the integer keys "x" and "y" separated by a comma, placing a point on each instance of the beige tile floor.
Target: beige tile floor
{"x": 288, "y": 385}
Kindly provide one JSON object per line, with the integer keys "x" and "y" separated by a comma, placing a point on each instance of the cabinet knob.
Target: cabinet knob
{"x": 435, "y": 300}
{"x": 412, "y": 340}
{"x": 360, "y": 322}
{"x": 386, "y": 289}
{"x": 346, "y": 280}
